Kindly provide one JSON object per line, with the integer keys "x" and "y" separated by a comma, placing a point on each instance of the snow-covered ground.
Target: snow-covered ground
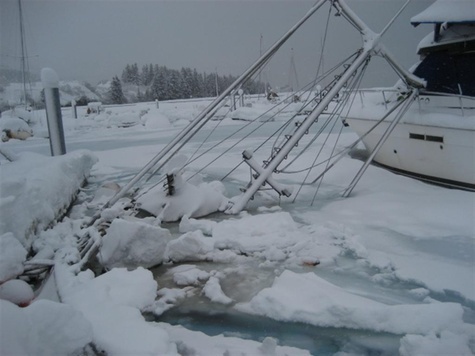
{"x": 389, "y": 270}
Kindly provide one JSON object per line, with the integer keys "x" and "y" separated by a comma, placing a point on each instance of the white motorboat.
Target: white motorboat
{"x": 435, "y": 139}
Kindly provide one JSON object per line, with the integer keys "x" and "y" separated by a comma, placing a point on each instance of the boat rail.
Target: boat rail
{"x": 465, "y": 101}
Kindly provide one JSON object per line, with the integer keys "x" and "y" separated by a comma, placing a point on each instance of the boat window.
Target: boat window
{"x": 416, "y": 136}
{"x": 434, "y": 138}
{"x": 445, "y": 72}
{"x": 431, "y": 138}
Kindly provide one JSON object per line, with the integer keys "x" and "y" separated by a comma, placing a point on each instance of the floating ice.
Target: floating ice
{"x": 132, "y": 244}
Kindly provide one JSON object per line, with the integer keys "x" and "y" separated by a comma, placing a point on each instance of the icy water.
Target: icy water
{"x": 199, "y": 314}
{"x": 317, "y": 340}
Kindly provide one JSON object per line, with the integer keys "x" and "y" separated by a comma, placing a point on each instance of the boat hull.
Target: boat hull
{"x": 441, "y": 154}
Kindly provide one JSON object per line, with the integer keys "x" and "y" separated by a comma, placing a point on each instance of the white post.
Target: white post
{"x": 74, "y": 109}
{"x": 241, "y": 97}
{"x": 50, "y": 82}
{"x": 157, "y": 103}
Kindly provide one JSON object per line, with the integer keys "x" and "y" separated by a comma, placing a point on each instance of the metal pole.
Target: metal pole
{"x": 294, "y": 139}
{"x": 50, "y": 81}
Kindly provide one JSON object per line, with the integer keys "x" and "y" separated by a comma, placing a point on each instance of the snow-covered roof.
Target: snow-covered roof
{"x": 455, "y": 11}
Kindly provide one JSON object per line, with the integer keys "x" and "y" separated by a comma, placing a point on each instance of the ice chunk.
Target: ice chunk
{"x": 131, "y": 244}
{"x": 192, "y": 246}
{"x": 213, "y": 291}
{"x": 310, "y": 299}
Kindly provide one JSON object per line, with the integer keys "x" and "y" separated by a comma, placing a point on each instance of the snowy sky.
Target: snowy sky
{"x": 93, "y": 40}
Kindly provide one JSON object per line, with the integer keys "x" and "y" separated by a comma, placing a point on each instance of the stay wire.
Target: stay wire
{"x": 357, "y": 83}
{"x": 246, "y": 136}
{"x": 326, "y": 89}
{"x": 317, "y": 134}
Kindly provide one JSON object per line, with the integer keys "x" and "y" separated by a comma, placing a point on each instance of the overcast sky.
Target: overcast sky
{"x": 93, "y": 40}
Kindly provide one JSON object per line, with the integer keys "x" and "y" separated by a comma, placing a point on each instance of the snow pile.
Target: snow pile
{"x": 186, "y": 199}
{"x": 155, "y": 120}
{"x": 14, "y": 127}
{"x": 34, "y": 181}
{"x": 17, "y": 291}
{"x": 123, "y": 119}
{"x": 112, "y": 303}
{"x": 131, "y": 244}
{"x": 43, "y": 328}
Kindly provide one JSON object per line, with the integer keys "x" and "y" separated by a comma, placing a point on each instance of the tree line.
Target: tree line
{"x": 153, "y": 82}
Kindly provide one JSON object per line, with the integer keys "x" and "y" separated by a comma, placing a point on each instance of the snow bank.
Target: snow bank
{"x": 310, "y": 299}
{"x": 132, "y": 244}
{"x": 34, "y": 181}
{"x": 43, "y": 328}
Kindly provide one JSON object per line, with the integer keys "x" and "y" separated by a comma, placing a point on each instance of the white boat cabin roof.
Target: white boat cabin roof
{"x": 452, "y": 11}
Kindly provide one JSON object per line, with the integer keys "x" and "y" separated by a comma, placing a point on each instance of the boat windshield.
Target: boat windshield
{"x": 447, "y": 72}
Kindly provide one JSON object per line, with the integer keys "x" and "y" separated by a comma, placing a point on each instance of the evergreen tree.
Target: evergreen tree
{"x": 116, "y": 96}
{"x": 195, "y": 86}
{"x": 186, "y": 80}
{"x": 159, "y": 82}
{"x": 145, "y": 77}
{"x": 126, "y": 74}
{"x": 174, "y": 85}
{"x": 134, "y": 74}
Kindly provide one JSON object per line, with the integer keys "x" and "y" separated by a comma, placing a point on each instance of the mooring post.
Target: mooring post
{"x": 74, "y": 109}
{"x": 50, "y": 82}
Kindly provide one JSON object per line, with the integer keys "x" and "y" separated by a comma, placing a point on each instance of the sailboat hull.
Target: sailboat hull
{"x": 440, "y": 150}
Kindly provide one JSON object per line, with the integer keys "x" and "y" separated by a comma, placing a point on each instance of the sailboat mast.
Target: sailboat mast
{"x": 23, "y": 52}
